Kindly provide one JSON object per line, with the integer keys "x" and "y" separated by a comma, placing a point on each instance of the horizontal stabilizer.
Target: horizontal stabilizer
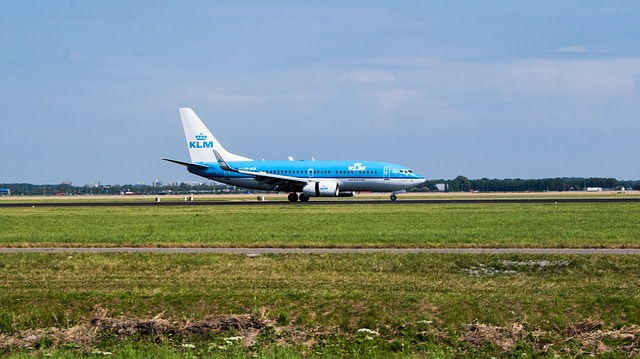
{"x": 186, "y": 163}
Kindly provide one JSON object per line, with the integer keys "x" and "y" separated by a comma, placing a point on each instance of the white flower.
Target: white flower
{"x": 233, "y": 339}
{"x": 368, "y": 331}
{"x": 101, "y": 352}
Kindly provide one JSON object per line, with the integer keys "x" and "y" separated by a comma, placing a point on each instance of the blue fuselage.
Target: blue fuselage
{"x": 351, "y": 175}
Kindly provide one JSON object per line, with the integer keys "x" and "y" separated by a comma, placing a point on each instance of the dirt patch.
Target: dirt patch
{"x": 504, "y": 337}
{"x": 586, "y": 337}
{"x": 86, "y": 334}
{"x": 587, "y": 334}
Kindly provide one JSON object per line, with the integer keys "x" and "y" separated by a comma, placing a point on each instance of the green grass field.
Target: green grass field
{"x": 333, "y": 305}
{"x": 379, "y": 225}
{"x": 416, "y": 303}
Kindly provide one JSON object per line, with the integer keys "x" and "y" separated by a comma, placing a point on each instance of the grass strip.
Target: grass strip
{"x": 596, "y": 225}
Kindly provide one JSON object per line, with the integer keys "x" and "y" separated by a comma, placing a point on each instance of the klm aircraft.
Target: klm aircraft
{"x": 308, "y": 178}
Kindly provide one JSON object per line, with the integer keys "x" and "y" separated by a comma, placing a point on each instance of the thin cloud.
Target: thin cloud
{"x": 235, "y": 101}
{"x": 304, "y": 97}
{"x": 371, "y": 76}
{"x": 411, "y": 104}
{"x": 583, "y": 79}
{"x": 574, "y": 49}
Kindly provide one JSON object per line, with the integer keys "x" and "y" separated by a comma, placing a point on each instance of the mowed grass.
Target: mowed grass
{"x": 352, "y": 290}
{"x": 405, "y": 298}
{"x": 370, "y": 225}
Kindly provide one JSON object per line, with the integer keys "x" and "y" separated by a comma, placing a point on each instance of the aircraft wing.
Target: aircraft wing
{"x": 278, "y": 182}
{"x": 264, "y": 176}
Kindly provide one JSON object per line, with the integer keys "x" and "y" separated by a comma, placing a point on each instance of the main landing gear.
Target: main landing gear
{"x": 293, "y": 197}
{"x": 393, "y": 197}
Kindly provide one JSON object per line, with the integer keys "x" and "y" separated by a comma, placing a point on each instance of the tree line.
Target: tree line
{"x": 458, "y": 184}
{"x": 28, "y": 189}
{"x": 463, "y": 184}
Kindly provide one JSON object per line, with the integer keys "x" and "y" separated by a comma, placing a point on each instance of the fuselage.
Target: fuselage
{"x": 350, "y": 175}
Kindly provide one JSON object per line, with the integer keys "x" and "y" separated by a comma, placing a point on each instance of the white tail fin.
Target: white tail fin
{"x": 201, "y": 142}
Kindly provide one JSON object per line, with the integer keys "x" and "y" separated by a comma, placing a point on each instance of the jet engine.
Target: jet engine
{"x": 321, "y": 189}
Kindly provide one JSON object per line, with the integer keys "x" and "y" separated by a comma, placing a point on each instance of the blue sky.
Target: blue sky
{"x": 90, "y": 90}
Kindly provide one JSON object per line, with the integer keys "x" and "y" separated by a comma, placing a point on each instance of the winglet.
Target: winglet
{"x": 222, "y": 163}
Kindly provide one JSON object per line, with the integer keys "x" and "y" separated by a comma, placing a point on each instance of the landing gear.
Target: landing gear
{"x": 293, "y": 197}
{"x": 393, "y": 197}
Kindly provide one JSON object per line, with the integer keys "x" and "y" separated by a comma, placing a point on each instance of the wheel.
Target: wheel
{"x": 303, "y": 198}
{"x": 393, "y": 197}
{"x": 293, "y": 197}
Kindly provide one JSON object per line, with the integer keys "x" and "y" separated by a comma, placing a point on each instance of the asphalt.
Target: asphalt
{"x": 400, "y": 201}
{"x": 258, "y": 251}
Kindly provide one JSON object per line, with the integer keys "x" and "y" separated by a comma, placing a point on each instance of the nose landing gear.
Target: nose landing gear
{"x": 393, "y": 196}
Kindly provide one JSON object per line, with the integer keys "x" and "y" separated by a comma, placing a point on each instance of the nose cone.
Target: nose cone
{"x": 416, "y": 180}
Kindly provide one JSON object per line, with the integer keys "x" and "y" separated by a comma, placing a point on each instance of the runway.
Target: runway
{"x": 260, "y": 251}
{"x": 152, "y": 203}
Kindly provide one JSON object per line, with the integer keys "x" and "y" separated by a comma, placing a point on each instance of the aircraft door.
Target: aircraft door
{"x": 386, "y": 173}
{"x": 226, "y": 175}
{"x": 311, "y": 173}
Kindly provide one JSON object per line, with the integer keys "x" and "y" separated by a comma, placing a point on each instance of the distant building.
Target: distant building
{"x": 5, "y": 192}
{"x": 440, "y": 187}
{"x": 594, "y": 189}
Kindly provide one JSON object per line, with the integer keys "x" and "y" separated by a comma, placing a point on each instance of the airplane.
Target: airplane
{"x": 313, "y": 178}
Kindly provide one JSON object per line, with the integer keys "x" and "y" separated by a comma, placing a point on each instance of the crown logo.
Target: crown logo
{"x": 201, "y": 137}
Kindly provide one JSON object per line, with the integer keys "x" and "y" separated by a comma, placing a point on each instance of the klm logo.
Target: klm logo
{"x": 357, "y": 167}
{"x": 201, "y": 142}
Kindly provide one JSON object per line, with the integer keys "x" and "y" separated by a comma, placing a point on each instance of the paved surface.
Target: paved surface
{"x": 249, "y": 251}
{"x": 400, "y": 201}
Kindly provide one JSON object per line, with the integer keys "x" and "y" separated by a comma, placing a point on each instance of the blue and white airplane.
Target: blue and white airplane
{"x": 309, "y": 178}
